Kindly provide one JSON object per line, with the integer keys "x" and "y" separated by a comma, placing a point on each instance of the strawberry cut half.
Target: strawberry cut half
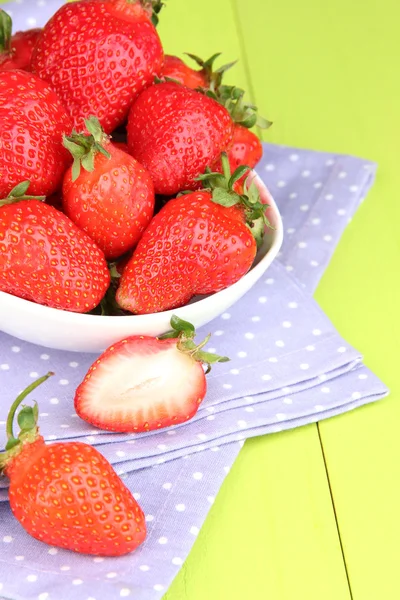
{"x": 143, "y": 383}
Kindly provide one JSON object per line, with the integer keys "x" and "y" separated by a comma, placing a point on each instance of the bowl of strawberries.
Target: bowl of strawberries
{"x": 128, "y": 185}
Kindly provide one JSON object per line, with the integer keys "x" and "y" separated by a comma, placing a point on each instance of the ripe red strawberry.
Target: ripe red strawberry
{"x": 67, "y": 494}
{"x": 98, "y": 55}
{"x": 122, "y": 146}
{"x": 176, "y": 132}
{"x": 144, "y": 383}
{"x": 175, "y": 68}
{"x": 32, "y": 124}
{"x": 15, "y": 50}
{"x": 111, "y": 197}
{"x": 198, "y": 243}
{"x": 206, "y": 78}
{"x": 45, "y": 258}
{"x": 246, "y": 148}
{"x": 22, "y": 45}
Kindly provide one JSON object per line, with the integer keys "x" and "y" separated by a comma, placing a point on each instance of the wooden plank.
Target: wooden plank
{"x": 329, "y": 83}
{"x": 271, "y": 532}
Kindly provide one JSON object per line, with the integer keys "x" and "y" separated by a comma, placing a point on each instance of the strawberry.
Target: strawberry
{"x": 111, "y": 197}
{"x": 98, "y": 55}
{"x": 67, "y": 494}
{"x": 205, "y": 78}
{"x": 16, "y": 50}
{"x": 176, "y": 132}
{"x": 45, "y": 258}
{"x": 122, "y": 146}
{"x": 198, "y": 243}
{"x": 144, "y": 383}
{"x": 174, "y": 68}
{"x": 22, "y": 45}
{"x": 32, "y": 123}
{"x": 246, "y": 148}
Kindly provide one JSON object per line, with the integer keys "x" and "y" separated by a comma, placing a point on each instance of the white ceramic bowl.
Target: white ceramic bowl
{"x": 64, "y": 330}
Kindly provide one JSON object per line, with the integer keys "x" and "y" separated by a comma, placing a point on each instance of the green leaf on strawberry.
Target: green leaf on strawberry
{"x": 84, "y": 147}
{"x": 227, "y": 191}
{"x": 185, "y": 332}
{"x": 242, "y": 113}
{"x": 27, "y": 421}
{"x": 212, "y": 77}
{"x": 179, "y": 326}
{"x": 156, "y": 6}
{"x": 18, "y": 193}
{"x": 5, "y": 31}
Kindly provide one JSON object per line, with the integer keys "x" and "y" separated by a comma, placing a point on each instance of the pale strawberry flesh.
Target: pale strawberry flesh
{"x": 141, "y": 384}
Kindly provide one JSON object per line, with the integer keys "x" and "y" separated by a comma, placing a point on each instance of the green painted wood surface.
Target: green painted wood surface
{"x": 312, "y": 514}
{"x": 326, "y": 74}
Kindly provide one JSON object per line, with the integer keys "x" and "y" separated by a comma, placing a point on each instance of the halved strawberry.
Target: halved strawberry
{"x": 144, "y": 383}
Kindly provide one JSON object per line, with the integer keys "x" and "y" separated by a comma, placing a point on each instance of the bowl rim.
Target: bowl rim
{"x": 75, "y": 318}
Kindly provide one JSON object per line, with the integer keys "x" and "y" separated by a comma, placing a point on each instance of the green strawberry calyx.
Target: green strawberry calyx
{"x": 213, "y": 77}
{"x": 230, "y": 96}
{"x": 227, "y": 190}
{"x": 27, "y": 420}
{"x": 242, "y": 113}
{"x": 5, "y": 32}
{"x": 84, "y": 147}
{"x": 185, "y": 333}
{"x": 18, "y": 193}
{"x": 153, "y": 8}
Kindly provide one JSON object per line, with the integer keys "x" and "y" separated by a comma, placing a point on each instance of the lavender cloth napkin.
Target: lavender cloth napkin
{"x": 284, "y": 355}
{"x": 289, "y": 367}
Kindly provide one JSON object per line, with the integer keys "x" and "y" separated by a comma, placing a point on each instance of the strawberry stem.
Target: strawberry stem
{"x": 27, "y": 421}
{"x": 185, "y": 332}
{"x": 17, "y": 402}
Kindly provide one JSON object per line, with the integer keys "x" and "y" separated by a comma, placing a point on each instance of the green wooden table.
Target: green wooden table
{"x": 313, "y": 513}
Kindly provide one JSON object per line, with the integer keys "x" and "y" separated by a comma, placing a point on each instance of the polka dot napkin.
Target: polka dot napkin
{"x": 288, "y": 367}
